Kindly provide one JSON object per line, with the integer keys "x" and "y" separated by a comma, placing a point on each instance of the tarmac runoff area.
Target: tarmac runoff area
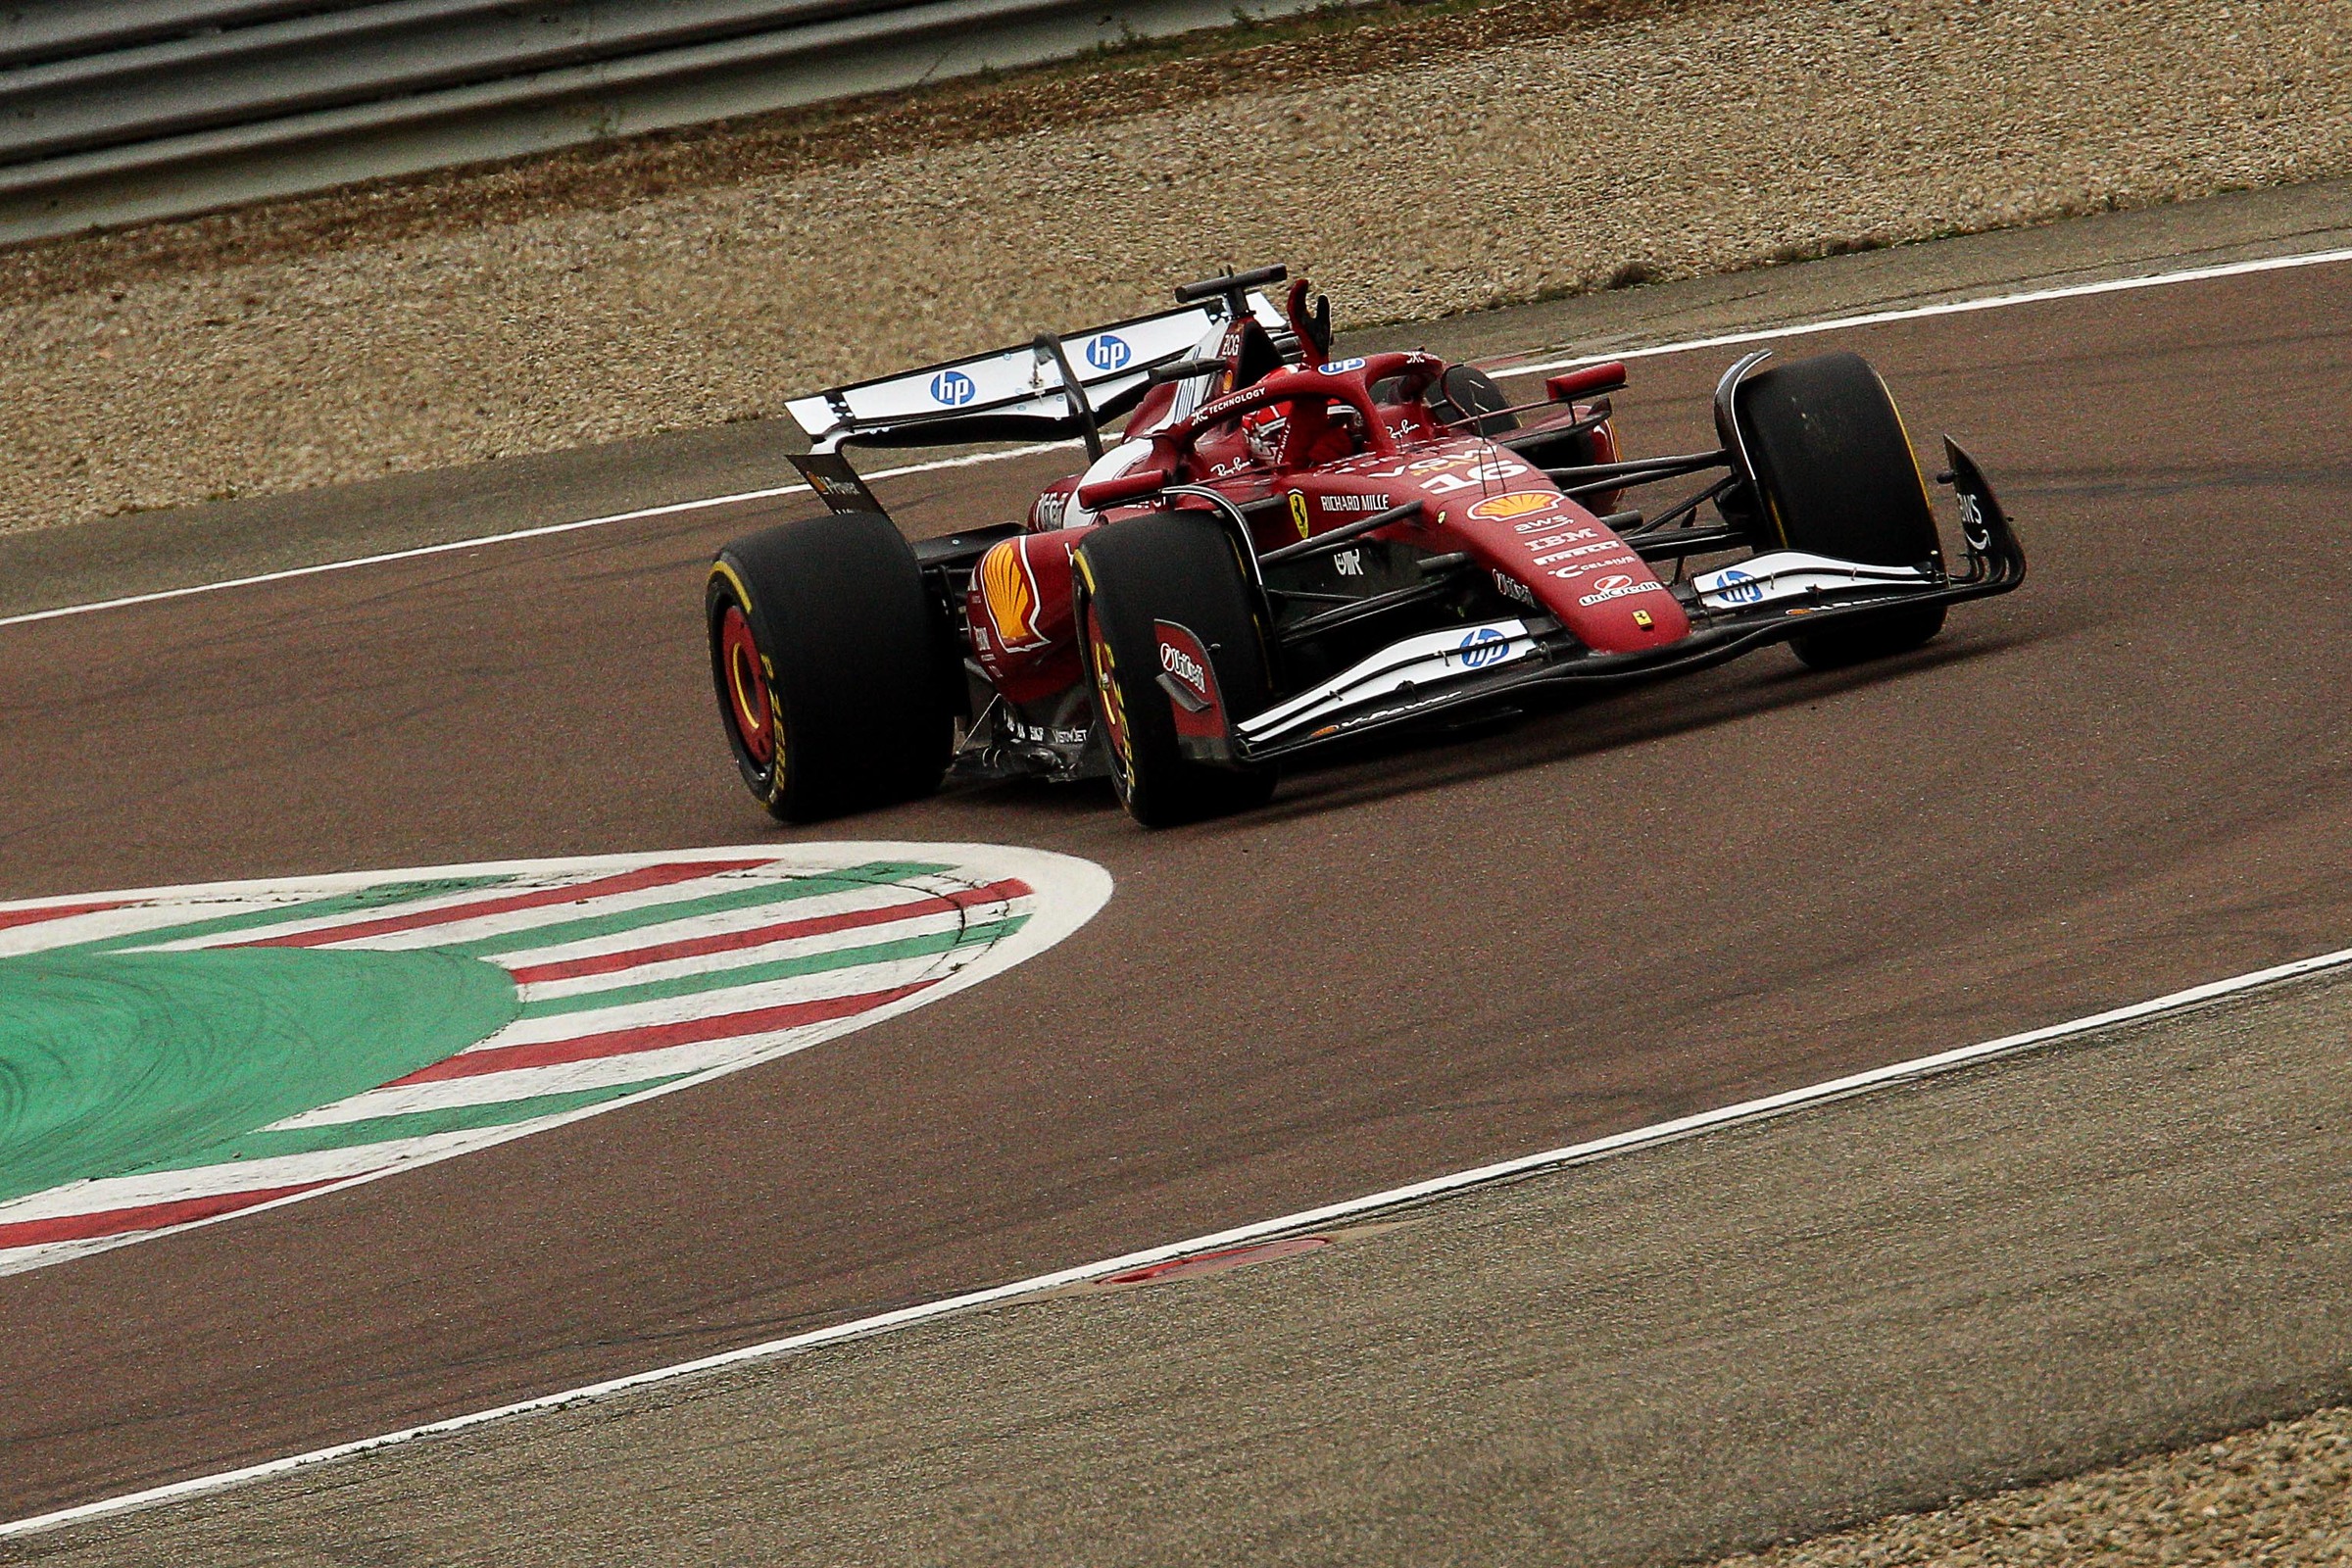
{"x": 2128, "y": 1241}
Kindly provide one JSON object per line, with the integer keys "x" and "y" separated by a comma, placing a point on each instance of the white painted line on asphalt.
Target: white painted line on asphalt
{"x": 1994, "y": 301}
{"x": 1640, "y": 1138}
{"x": 541, "y": 532}
{"x": 1914, "y": 313}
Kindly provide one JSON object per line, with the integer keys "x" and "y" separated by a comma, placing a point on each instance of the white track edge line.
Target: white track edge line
{"x": 1914, "y": 313}
{"x": 1992, "y": 302}
{"x": 1770, "y": 1105}
{"x": 543, "y": 531}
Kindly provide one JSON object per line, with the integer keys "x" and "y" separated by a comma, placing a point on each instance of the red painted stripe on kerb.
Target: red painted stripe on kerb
{"x": 654, "y": 1035}
{"x": 651, "y": 876}
{"x": 59, "y": 911}
{"x": 142, "y": 1217}
{"x": 783, "y": 931}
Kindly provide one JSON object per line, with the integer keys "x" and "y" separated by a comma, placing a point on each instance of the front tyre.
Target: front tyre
{"x": 1840, "y": 480}
{"x": 1179, "y": 569}
{"x": 825, "y": 649}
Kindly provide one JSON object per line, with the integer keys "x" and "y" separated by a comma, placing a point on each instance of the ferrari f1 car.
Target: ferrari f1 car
{"x": 1284, "y": 551}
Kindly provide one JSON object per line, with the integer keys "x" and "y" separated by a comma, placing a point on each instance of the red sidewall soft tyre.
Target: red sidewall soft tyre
{"x": 743, "y": 688}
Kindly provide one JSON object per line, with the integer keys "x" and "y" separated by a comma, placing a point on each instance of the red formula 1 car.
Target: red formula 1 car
{"x": 1286, "y": 552}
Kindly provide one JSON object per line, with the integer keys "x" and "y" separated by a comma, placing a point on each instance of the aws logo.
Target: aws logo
{"x": 1008, "y": 592}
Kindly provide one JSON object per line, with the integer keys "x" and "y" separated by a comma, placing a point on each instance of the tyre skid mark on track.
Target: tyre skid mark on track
{"x": 1920, "y": 312}
{"x": 513, "y": 536}
{"x": 1239, "y": 1237}
{"x": 1501, "y": 369}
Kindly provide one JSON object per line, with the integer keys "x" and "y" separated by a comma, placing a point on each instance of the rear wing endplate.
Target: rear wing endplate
{"x": 835, "y": 482}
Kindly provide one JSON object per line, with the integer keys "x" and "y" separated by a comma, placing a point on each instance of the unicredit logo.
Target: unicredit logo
{"x": 1183, "y": 666}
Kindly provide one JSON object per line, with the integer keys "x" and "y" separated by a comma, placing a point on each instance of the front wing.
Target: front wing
{"x": 1480, "y": 666}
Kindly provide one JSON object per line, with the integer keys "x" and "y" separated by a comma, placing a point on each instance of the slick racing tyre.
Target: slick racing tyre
{"x": 1840, "y": 480}
{"x": 826, "y": 653}
{"x": 1177, "y": 568}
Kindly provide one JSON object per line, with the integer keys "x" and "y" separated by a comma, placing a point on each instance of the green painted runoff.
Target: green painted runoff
{"x": 111, "y": 1062}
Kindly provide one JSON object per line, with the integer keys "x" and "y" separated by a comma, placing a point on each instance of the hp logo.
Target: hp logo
{"x": 1483, "y": 647}
{"x": 953, "y": 389}
{"x": 1740, "y": 588}
{"x": 1108, "y": 352}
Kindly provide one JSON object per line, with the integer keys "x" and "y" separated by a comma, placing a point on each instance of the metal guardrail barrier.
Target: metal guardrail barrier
{"x": 118, "y": 111}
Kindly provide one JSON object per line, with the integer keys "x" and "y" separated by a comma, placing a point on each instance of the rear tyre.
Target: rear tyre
{"x": 1840, "y": 480}
{"x": 825, "y": 649}
{"x": 1179, "y": 567}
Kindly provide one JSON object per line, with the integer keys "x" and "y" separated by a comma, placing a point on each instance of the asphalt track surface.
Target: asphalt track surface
{"x": 2130, "y": 776}
{"x": 2135, "y": 1239}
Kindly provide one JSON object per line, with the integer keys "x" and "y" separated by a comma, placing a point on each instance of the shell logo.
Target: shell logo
{"x": 1500, "y": 509}
{"x": 1009, "y": 594}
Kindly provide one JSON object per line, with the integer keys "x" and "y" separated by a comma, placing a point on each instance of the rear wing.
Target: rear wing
{"x": 1053, "y": 389}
